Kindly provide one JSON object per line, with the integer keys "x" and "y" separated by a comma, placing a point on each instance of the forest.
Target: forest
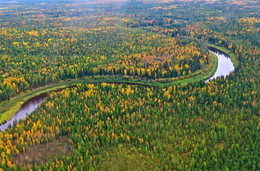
{"x": 124, "y": 99}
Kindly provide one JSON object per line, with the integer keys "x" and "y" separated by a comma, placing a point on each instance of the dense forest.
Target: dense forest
{"x": 121, "y": 126}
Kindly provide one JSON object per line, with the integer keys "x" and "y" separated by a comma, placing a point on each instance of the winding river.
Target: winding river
{"x": 27, "y": 108}
{"x": 225, "y": 67}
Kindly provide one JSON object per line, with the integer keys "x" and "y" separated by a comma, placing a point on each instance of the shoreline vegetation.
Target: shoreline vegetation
{"x": 9, "y": 108}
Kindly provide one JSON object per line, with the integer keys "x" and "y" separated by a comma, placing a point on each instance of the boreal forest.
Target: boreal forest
{"x": 129, "y": 85}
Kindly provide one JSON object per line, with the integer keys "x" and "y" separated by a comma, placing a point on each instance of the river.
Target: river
{"x": 225, "y": 67}
{"x": 27, "y": 108}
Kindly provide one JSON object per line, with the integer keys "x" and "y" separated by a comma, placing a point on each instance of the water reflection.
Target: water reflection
{"x": 27, "y": 108}
{"x": 225, "y": 65}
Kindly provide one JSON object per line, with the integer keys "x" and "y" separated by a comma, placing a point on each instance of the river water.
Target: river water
{"x": 27, "y": 108}
{"x": 225, "y": 67}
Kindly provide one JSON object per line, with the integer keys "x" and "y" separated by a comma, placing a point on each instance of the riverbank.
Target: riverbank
{"x": 8, "y": 109}
{"x": 226, "y": 51}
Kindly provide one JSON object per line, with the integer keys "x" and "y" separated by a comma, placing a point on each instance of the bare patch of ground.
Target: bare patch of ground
{"x": 44, "y": 153}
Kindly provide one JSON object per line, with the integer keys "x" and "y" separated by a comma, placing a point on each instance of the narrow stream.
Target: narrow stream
{"x": 225, "y": 67}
